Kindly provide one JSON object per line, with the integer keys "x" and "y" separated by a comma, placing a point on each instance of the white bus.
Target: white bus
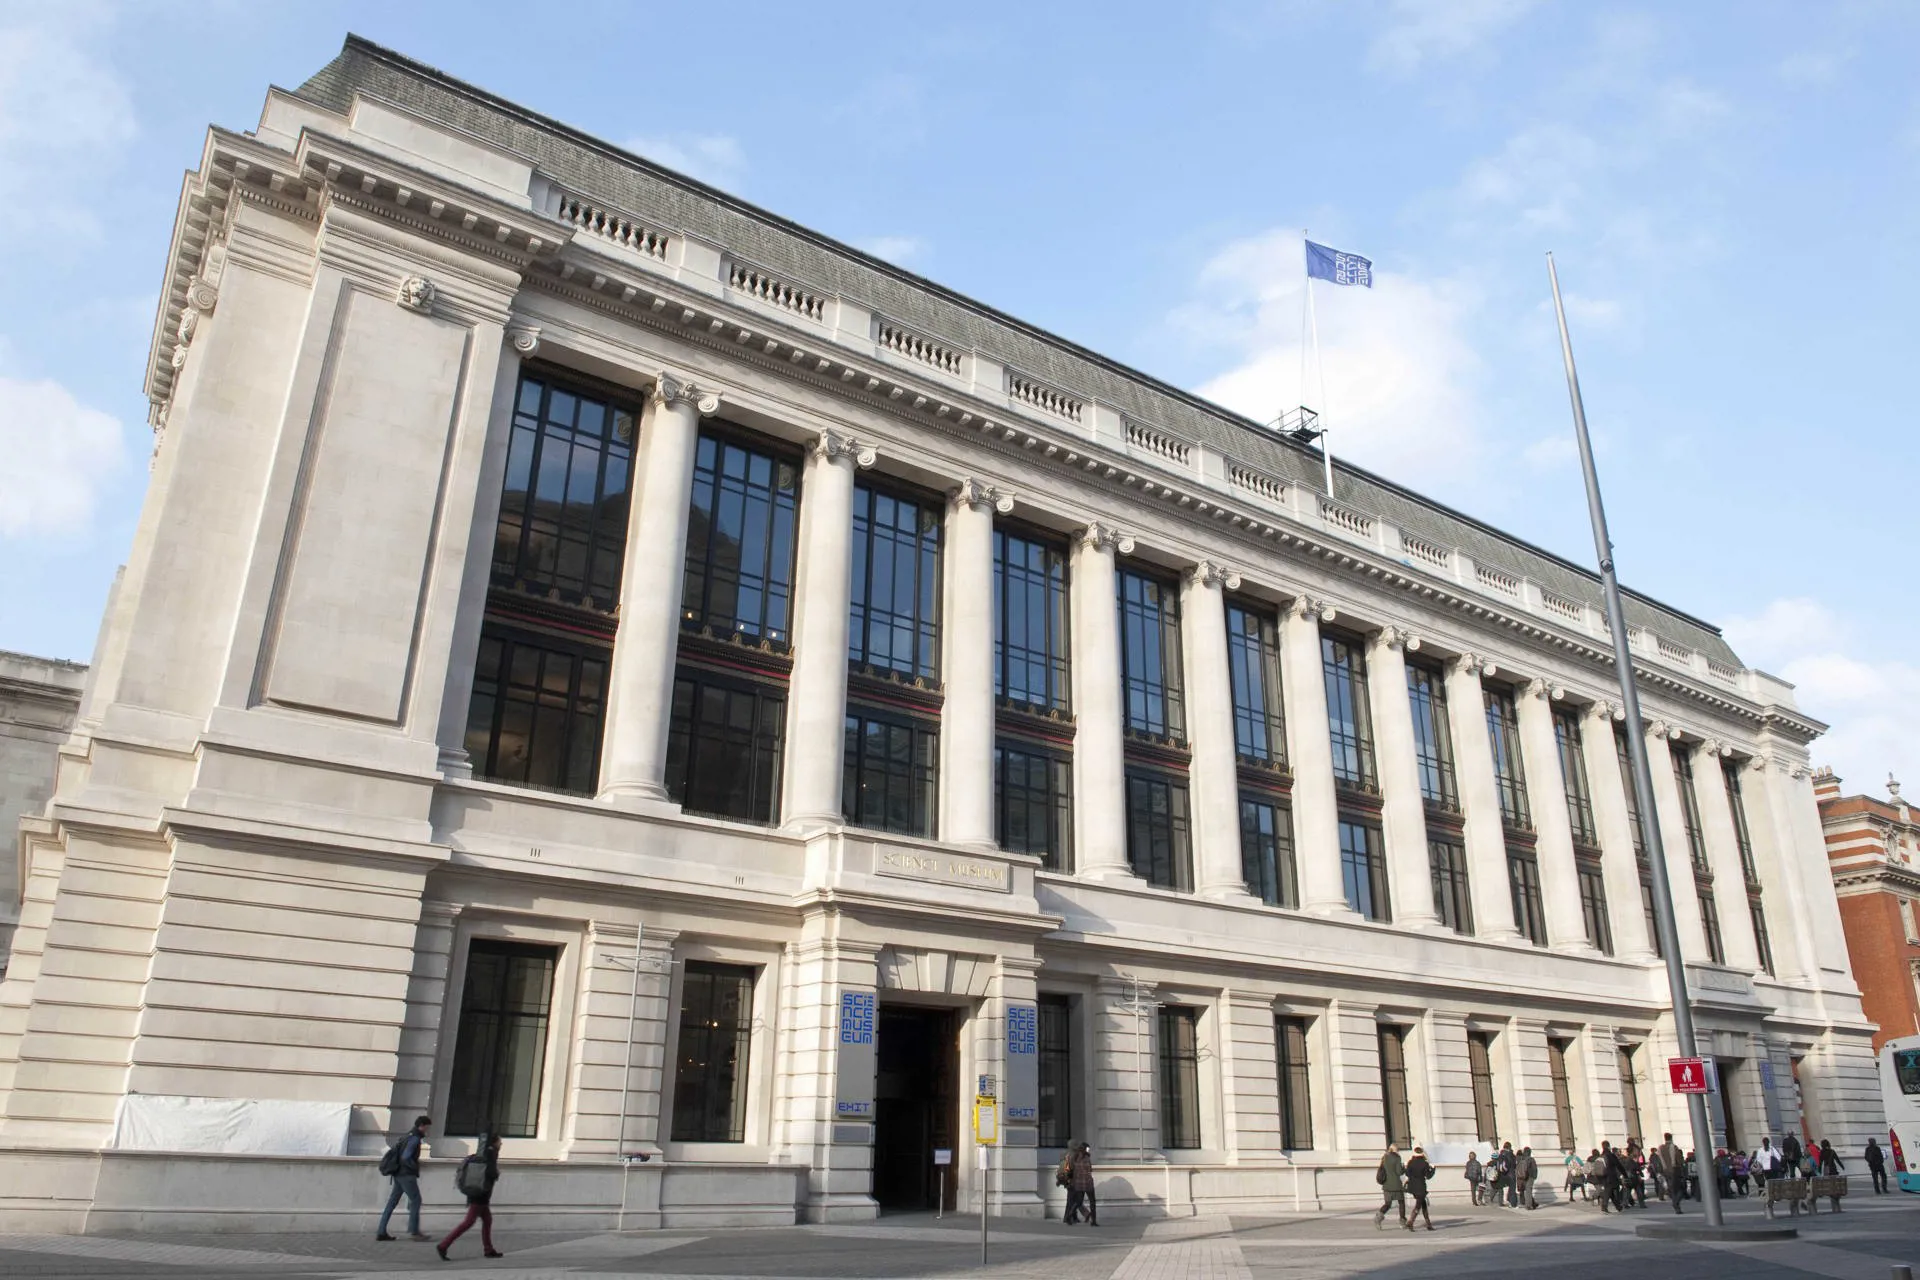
{"x": 1900, "y": 1091}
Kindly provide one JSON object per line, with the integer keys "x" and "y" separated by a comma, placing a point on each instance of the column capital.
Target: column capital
{"x": 1601, "y": 709}
{"x": 1543, "y": 688}
{"x": 1393, "y": 637}
{"x": 981, "y": 496}
{"x": 1715, "y": 748}
{"x": 524, "y": 338}
{"x": 831, "y": 446}
{"x": 1305, "y": 606}
{"x": 1099, "y": 536}
{"x": 1474, "y": 665}
{"x": 671, "y": 388}
{"x": 1211, "y": 573}
{"x": 1661, "y": 729}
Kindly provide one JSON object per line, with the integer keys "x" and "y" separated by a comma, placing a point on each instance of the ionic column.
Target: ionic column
{"x": 1673, "y": 840}
{"x": 823, "y": 584}
{"x": 1613, "y": 821}
{"x": 1403, "y": 810}
{"x": 1316, "y": 814}
{"x": 1801, "y": 851}
{"x": 1214, "y": 779}
{"x": 1099, "y": 759}
{"x": 1553, "y": 827}
{"x": 966, "y": 718}
{"x": 1795, "y": 954}
{"x": 1723, "y": 855}
{"x": 633, "y": 759}
{"x": 1485, "y": 838}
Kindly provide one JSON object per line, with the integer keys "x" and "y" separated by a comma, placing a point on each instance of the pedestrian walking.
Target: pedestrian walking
{"x": 1526, "y": 1173}
{"x": 1635, "y": 1190}
{"x": 1472, "y": 1175}
{"x": 1790, "y": 1155}
{"x": 1505, "y": 1164}
{"x": 1673, "y": 1167}
{"x": 1830, "y": 1165}
{"x": 475, "y": 1179}
{"x": 1612, "y": 1171}
{"x": 1577, "y": 1175}
{"x": 1418, "y": 1174}
{"x": 1762, "y": 1163}
{"x": 1392, "y": 1177}
{"x": 1080, "y": 1197}
{"x": 1876, "y": 1159}
{"x": 401, "y": 1163}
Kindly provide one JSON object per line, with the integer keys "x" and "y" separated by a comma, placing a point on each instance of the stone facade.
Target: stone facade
{"x": 39, "y": 698}
{"x": 295, "y": 846}
{"x": 1873, "y": 845}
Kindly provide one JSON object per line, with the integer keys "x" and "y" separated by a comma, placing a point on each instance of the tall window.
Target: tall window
{"x": 1030, "y": 632}
{"x": 1393, "y": 1086}
{"x": 1625, "y": 756}
{"x": 562, "y": 531}
{"x": 716, "y": 1029}
{"x": 1646, "y": 908}
{"x": 1432, "y": 737}
{"x": 1690, "y": 810}
{"x": 1253, "y": 663}
{"x": 1179, "y": 1077}
{"x": 1762, "y": 943}
{"x": 1348, "y": 722}
{"x": 500, "y": 1049}
{"x": 1630, "y": 1094}
{"x": 740, "y": 542}
{"x": 1523, "y": 878}
{"x": 1150, "y": 656}
{"x": 1363, "y": 870}
{"x": 1296, "y": 1095}
{"x": 1266, "y": 852}
{"x": 1573, "y": 771}
{"x": 537, "y": 710}
{"x": 895, "y": 622}
{"x": 891, "y": 772}
{"x": 1503, "y": 734}
{"x": 1451, "y": 902}
{"x": 1710, "y": 926}
{"x": 1056, "y": 1070}
{"x": 1593, "y": 903}
{"x": 1158, "y": 844}
{"x": 724, "y": 739}
{"x": 1486, "y": 1119}
{"x": 1749, "y": 869}
{"x": 1562, "y": 1092}
{"x": 1033, "y": 802}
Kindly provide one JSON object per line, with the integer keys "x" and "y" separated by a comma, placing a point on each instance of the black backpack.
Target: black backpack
{"x": 471, "y": 1178}
{"x": 390, "y": 1162}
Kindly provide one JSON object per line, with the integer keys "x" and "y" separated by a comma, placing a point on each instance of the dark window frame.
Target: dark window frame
{"x": 1267, "y": 859}
{"x": 1710, "y": 924}
{"x": 1396, "y": 1104}
{"x": 1055, "y": 851}
{"x": 920, "y": 624}
{"x": 1254, "y": 683}
{"x": 1762, "y": 940}
{"x": 1432, "y": 736}
{"x": 1051, "y": 582}
{"x": 1343, "y": 665}
{"x": 1509, "y": 766}
{"x": 1054, "y": 1043}
{"x": 1452, "y": 891}
{"x": 1630, "y": 1092}
{"x": 1523, "y": 884}
{"x": 1624, "y": 754}
{"x": 1742, "y": 833}
{"x": 1152, "y": 682}
{"x": 1486, "y": 1107}
{"x": 1562, "y": 1090}
{"x": 1146, "y": 827}
{"x": 772, "y": 509}
{"x": 1363, "y": 871}
{"x": 1178, "y": 1049}
{"x": 476, "y": 1088}
{"x": 1568, "y": 742}
{"x": 1294, "y": 1073}
{"x": 687, "y": 765}
{"x": 872, "y": 807}
{"x": 1690, "y": 810}
{"x": 1593, "y": 903}
{"x": 499, "y": 688}
{"x": 708, "y": 992}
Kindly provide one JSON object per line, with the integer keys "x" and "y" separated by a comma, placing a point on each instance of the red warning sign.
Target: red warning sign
{"x": 1689, "y": 1075}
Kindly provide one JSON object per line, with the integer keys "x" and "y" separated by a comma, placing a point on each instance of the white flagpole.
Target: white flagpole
{"x": 1326, "y": 445}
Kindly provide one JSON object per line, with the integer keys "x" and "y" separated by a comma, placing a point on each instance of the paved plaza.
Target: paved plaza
{"x": 1863, "y": 1243}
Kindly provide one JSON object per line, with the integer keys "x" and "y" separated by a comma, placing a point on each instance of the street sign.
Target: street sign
{"x": 943, "y": 1155}
{"x": 986, "y": 1121}
{"x": 1689, "y": 1075}
{"x": 987, "y": 1087}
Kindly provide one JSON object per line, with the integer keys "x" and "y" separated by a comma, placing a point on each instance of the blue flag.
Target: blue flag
{"x": 1340, "y": 268}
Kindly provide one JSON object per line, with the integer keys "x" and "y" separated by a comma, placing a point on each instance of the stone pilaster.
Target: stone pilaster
{"x": 1794, "y": 949}
{"x": 1479, "y": 800}
{"x": 1673, "y": 835}
{"x": 966, "y": 718}
{"x": 1124, "y": 1114}
{"x": 1316, "y": 818}
{"x": 1099, "y": 763}
{"x": 824, "y": 1065}
{"x": 817, "y": 706}
{"x": 1533, "y": 1123}
{"x": 1612, "y": 819}
{"x": 1403, "y": 810}
{"x": 1450, "y": 1078}
{"x": 1723, "y": 855}
{"x": 600, "y": 1031}
{"x": 426, "y": 1003}
{"x": 633, "y": 759}
{"x": 1214, "y": 777}
{"x": 1249, "y": 1076}
{"x": 1019, "y": 1185}
{"x": 1353, "y": 1080}
{"x": 1553, "y": 828}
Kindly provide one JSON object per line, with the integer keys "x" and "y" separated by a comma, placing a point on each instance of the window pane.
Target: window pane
{"x": 1056, "y": 1070}
{"x": 890, "y": 773}
{"x": 1033, "y": 802}
{"x": 1253, "y": 665}
{"x": 1348, "y": 721}
{"x": 1363, "y": 870}
{"x": 1393, "y": 1086}
{"x": 894, "y": 624}
{"x": 536, "y": 712}
{"x": 499, "y": 1055}
{"x": 1573, "y": 772}
{"x": 1179, "y": 1078}
{"x": 740, "y": 547}
{"x": 1157, "y": 832}
{"x": 1030, "y": 622}
{"x": 724, "y": 743}
{"x": 1266, "y": 852}
{"x": 1523, "y": 876}
{"x": 710, "y": 1079}
{"x": 1296, "y": 1098}
{"x": 1451, "y": 900}
{"x": 1432, "y": 737}
{"x": 1150, "y": 655}
{"x": 1503, "y": 734}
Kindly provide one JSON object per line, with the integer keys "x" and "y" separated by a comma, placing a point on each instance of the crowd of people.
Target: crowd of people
{"x": 1619, "y": 1178}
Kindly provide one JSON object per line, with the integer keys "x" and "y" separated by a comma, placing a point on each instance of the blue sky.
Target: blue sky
{"x": 1729, "y": 189}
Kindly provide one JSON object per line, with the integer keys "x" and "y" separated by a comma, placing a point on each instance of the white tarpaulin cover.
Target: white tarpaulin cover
{"x": 262, "y": 1126}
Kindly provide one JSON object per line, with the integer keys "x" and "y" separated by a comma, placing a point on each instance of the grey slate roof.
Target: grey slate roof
{"x": 672, "y": 202}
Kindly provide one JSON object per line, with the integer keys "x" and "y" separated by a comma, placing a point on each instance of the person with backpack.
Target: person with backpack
{"x": 1876, "y": 1160}
{"x": 1673, "y": 1167}
{"x": 1419, "y": 1172}
{"x": 1507, "y": 1165}
{"x": 474, "y": 1179}
{"x": 1829, "y": 1162}
{"x": 1080, "y": 1198}
{"x": 1526, "y": 1171}
{"x": 1762, "y": 1163}
{"x": 1472, "y": 1175}
{"x": 1392, "y": 1177}
{"x": 1790, "y": 1155}
{"x": 402, "y": 1164}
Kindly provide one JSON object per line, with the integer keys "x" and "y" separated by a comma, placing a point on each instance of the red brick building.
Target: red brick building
{"x": 1872, "y": 845}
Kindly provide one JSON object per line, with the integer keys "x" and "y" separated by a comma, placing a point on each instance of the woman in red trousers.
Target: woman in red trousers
{"x": 477, "y": 1174}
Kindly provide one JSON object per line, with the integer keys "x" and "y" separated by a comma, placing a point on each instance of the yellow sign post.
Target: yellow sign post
{"x": 986, "y": 1136}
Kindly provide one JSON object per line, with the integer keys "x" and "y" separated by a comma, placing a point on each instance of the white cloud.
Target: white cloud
{"x": 714, "y": 158}
{"x": 1867, "y": 698}
{"x": 1550, "y": 453}
{"x": 58, "y": 455}
{"x": 899, "y": 250}
{"x": 63, "y": 110}
{"x": 1399, "y": 383}
{"x": 1422, "y": 31}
